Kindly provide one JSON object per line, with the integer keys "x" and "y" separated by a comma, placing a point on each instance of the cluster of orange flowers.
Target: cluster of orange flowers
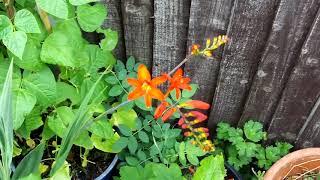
{"x": 146, "y": 86}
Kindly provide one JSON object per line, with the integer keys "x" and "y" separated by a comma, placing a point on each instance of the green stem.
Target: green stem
{"x": 180, "y": 64}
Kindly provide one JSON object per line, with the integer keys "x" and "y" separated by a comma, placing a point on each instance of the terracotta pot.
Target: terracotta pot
{"x": 295, "y": 163}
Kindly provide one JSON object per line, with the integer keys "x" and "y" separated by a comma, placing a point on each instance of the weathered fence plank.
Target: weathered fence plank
{"x": 170, "y": 34}
{"x": 208, "y": 18}
{"x": 138, "y": 29}
{"x": 289, "y": 30}
{"x": 248, "y": 31}
{"x": 114, "y": 21}
{"x": 301, "y": 92}
{"x": 309, "y": 134}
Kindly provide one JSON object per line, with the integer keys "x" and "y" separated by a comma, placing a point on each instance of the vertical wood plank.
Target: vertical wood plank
{"x": 208, "y": 18}
{"x": 114, "y": 21}
{"x": 248, "y": 30}
{"x": 290, "y": 28}
{"x": 301, "y": 92}
{"x": 138, "y": 29}
{"x": 170, "y": 34}
{"x": 309, "y": 135}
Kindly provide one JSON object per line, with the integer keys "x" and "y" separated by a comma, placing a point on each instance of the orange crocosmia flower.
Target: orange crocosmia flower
{"x": 177, "y": 82}
{"x": 160, "y": 109}
{"x": 196, "y": 104}
{"x": 145, "y": 86}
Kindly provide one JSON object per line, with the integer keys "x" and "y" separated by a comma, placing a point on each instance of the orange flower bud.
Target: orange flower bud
{"x": 168, "y": 114}
{"x": 185, "y": 126}
{"x": 196, "y": 104}
{"x": 195, "y": 49}
{"x": 160, "y": 109}
{"x": 198, "y": 115}
{"x": 181, "y": 121}
{"x": 201, "y": 129}
{"x": 187, "y": 134}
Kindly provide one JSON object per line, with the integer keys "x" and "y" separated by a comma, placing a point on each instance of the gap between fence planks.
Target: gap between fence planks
{"x": 248, "y": 30}
{"x": 290, "y": 28}
{"x": 138, "y": 29}
{"x": 301, "y": 92}
{"x": 207, "y": 19}
{"x": 114, "y": 21}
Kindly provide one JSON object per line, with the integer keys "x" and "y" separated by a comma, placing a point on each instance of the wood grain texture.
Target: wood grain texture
{"x": 114, "y": 21}
{"x": 309, "y": 134}
{"x": 170, "y": 34}
{"x": 301, "y": 92}
{"x": 208, "y": 18}
{"x": 138, "y": 29}
{"x": 290, "y": 28}
{"x": 248, "y": 30}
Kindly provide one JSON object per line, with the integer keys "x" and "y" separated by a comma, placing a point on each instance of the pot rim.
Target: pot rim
{"x": 291, "y": 159}
{"x": 109, "y": 169}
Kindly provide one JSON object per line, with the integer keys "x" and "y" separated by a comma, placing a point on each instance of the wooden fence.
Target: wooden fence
{"x": 269, "y": 71}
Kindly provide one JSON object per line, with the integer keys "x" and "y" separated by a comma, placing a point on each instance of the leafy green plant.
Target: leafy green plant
{"x": 211, "y": 168}
{"x": 245, "y": 147}
{"x": 151, "y": 171}
{"x": 30, "y": 163}
{"x": 156, "y": 141}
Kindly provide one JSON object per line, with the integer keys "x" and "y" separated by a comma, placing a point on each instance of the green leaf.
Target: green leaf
{"x": 111, "y": 80}
{"x": 125, "y": 117}
{"x": 143, "y": 136}
{"x": 63, "y": 173}
{"x": 121, "y": 143}
{"x": 25, "y": 21}
{"x": 132, "y": 161}
{"x": 254, "y": 131}
{"x": 125, "y": 130}
{"x": 32, "y": 121}
{"x": 102, "y": 128}
{"x": 6, "y": 128}
{"x": 98, "y": 59}
{"x": 66, "y": 91}
{"x": 132, "y": 144}
{"x": 181, "y": 153}
{"x": 110, "y": 41}
{"x": 42, "y": 84}
{"x": 111, "y": 144}
{"x": 6, "y": 26}
{"x": 190, "y": 93}
{"x": 31, "y": 56}
{"x": 23, "y": 103}
{"x": 211, "y": 168}
{"x": 16, "y": 42}
{"x": 141, "y": 155}
{"x": 116, "y": 90}
{"x": 65, "y": 46}
{"x": 81, "y": 2}
{"x": 58, "y": 8}
{"x": 130, "y": 63}
{"x": 122, "y": 74}
{"x": 30, "y": 163}
{"x": 90, "y": 18}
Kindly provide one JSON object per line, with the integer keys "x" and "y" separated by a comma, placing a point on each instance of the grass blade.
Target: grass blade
{"x": 30, "y": 163}
{"x": 6, "y": 126}
{"x": 74, "y": 129}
